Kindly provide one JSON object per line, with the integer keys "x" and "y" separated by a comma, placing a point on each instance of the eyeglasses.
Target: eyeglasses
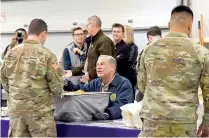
{"x": 81, "y": 34}
{"x": 88, "y": 24}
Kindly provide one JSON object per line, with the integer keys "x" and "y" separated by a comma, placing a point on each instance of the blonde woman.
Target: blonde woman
{"x": 129, "y": 39}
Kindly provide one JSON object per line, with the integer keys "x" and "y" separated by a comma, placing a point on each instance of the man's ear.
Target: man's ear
{"x": 190, "y": 26}
{"x": 169, "y": 24}
{"x": 72, "y": 36}
{"x": 44, "y": 34}
{"x": 113, "y": 68}
{"x": 123, "y": 35}
{"x": 149, "y": 38}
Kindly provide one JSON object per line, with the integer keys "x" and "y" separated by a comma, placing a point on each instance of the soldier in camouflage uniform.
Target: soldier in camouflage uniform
{"x": 30, "y": 75}
{"x": 171, "y": 70}
{"x": 154, "y": 33}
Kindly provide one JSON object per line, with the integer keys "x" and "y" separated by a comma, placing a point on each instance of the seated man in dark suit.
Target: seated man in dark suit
{"x": 108, "y": 81}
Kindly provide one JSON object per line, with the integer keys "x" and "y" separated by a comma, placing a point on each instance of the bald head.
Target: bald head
{"x": 96, "y": 20}
{"x": 181, "y": 19}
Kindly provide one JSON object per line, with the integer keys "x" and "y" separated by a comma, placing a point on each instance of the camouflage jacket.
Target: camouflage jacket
{"x": 31, "y": 76}
{"x": 171, "y": 70}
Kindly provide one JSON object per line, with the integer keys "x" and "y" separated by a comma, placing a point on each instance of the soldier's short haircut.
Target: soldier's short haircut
{"x": 154, "y": 31}
{"x": 181, "y": 9}
{"x": 96, "y": 20}
{"x": 110, "y": 59}
{"x": 75, "y": 29}
{"x": 118, "y": 25}
{"x": 37, "y": 26}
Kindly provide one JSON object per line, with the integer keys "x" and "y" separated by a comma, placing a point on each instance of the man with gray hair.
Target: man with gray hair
{"x": 100, "y": 45}
{"x": 108, "y": 81}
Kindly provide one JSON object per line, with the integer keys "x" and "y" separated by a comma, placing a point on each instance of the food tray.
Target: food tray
{"x": 85, "y": 93}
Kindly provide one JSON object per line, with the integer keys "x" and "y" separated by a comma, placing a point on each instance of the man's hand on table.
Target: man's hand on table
{"x": 100, "y": 116}
{"x": 68, "y": 85}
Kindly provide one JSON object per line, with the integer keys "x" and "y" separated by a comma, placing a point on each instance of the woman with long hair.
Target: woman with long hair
{"x": 129, "y": 39}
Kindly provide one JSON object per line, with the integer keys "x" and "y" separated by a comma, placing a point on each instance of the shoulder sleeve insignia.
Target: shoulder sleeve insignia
{"x": 113, "y": 97}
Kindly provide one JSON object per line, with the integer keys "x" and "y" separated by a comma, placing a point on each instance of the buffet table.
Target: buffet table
{"x": 85, "y": 129}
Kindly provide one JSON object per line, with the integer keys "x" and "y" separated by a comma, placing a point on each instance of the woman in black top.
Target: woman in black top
{"x": 129, "y": 39}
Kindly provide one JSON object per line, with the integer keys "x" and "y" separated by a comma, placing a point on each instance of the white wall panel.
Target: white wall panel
{"x": 60, "y": 14}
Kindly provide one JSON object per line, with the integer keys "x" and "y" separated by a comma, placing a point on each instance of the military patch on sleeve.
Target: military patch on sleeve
{"x": 178, "y": 61}
{"x": 113, "y": 97}
{"x": 60, "y": 71}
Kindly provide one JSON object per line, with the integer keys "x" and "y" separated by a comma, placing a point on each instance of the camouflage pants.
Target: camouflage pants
{"x": 159, "y": 129}
{"x": 39, "y": 126}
